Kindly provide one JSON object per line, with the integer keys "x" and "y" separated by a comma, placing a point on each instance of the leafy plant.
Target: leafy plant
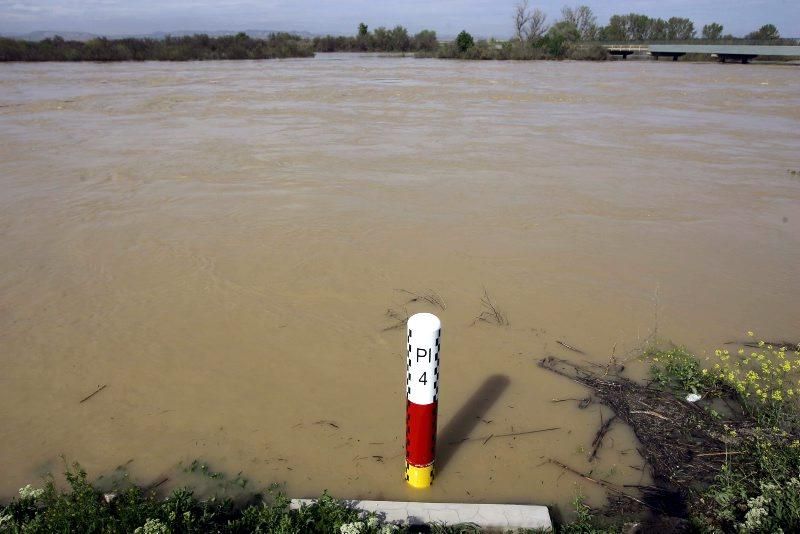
{"x": 679, "y": 370}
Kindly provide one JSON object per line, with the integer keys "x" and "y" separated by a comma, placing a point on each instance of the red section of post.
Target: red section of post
{"x": 420, "y": 433}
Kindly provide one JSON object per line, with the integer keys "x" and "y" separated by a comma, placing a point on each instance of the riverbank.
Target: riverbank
{"x": 192, "y": 47}
{"x": 720, "y": 437}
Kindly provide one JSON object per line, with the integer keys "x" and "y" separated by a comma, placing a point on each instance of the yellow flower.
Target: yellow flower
{"x": 750, "y": 333}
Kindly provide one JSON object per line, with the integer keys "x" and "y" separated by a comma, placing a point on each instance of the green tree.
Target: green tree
{"x": 399, "y": 40}
{"x": 616, "y": 29}
{"x": 381, "y": 38}
{"x": 363, "y": 30}
{"x": 712, "y": 31}
{"x": 657, "y": 30}
{"x": 767, "y": 32}
{"x": 583, "y": 18}
{"x": 680, "y": 29}
{"x": 425, "y": 40}
{"x": 464, "y": 41}
{"x": 638, "y": 27}
{"x": 564, "y": 31}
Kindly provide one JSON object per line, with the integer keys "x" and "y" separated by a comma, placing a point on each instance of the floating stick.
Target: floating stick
{"x": 422, "y": 389}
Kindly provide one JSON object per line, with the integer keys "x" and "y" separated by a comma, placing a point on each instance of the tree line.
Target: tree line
{"x": 381, "y": 39}
{"x": 580, "y": 23}
{"x": 192, "y": 47}
{"x": 533, "y": 38}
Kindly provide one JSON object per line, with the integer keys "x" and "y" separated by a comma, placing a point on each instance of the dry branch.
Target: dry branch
{"x": 98, "y": 390}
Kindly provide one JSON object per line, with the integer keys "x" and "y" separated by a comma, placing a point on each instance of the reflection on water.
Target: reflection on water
{"x": 219, "y": 243}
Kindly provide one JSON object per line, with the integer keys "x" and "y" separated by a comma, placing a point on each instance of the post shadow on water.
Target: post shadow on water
{"x": 463, "y": 423}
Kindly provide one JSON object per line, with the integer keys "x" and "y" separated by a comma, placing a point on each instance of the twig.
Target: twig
{"x": 512, "y": 434}
{"x": 648, "y": 412}
{"x": 601, "y": 433}
{"x": 756, "y": 344}
{"x": 491, "y": 314}
{"x": 718, "y": 453}
{"x": 570, "y": 347}
{"x": 329, "y": 423}
{"x": 431, "y": 296}
{"x": 602, "y": 483}
{"x": 153, "y": 486}
{"x": 487, "y": 439}
{"x": 400, "y": 318}
{"x": 612, "y": 362}
{"x": 98, "y": 390}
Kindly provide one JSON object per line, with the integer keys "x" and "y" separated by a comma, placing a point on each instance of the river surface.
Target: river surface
{"x": 219, "y": 242}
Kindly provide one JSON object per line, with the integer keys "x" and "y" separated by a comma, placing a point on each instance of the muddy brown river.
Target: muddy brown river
{"x": 219, "y": 242}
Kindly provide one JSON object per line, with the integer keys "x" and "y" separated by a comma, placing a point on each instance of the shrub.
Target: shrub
{"x": 588, "y": 53}
{"x": 464, "y": 41}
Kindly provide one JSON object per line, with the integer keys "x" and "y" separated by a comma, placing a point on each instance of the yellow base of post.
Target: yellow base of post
{"x": 419, "y": 477}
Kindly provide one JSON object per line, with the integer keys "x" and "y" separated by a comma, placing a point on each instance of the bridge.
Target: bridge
{"x": 743, "y": 53}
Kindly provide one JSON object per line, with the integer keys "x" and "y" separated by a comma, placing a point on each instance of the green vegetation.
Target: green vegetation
{"x": 194, "y": 47}
{"x": 712, "y": 32}
{"x": 464, "y": 41}
{"x": 84, "y": 508}
{"x": 757, "y": 488}
{"x": 381, "y": 40}
{"x": 767, "y": 32}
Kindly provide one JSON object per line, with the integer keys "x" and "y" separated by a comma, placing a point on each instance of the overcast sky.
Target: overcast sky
{"x": 447, "y": 17}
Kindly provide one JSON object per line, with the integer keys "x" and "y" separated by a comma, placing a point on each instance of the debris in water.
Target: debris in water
{"x": 329, "y": 423}
{"x": 569, "y": 347}
{"x": 430, "y": 296}
{"x": 491, "y": 314}
{"x": 98, "y": 390}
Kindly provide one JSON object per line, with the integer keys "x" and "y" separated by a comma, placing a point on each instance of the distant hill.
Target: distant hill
{"x": 85, "y": 36}
{"x": 46, "y": 34}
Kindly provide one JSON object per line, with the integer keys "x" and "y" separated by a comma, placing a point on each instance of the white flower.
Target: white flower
{"x": 388, "y": 528}
{"x": 152, "y": 526}
{"x": 757, "y": 512}
{"x": 29, "y": 492}
{"x": 357, "y": 527}
{"x": 5, "y": 519}
{"x": 373, "y": 521}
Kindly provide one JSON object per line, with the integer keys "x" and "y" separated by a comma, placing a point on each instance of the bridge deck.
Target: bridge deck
{"x": 731, "y": 50}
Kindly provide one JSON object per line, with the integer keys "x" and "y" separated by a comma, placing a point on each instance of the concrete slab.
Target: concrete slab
{"x": 487, "y": 516}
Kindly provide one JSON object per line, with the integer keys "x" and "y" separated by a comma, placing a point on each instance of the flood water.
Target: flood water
{"x": 219, "y": 243}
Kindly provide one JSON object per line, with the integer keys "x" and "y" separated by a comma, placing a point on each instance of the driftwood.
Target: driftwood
{"x": 681, "y": 442}
{"x": 601, "y": 434}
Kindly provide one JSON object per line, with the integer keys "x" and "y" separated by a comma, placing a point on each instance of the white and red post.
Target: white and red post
{"x": 422, "y": 389}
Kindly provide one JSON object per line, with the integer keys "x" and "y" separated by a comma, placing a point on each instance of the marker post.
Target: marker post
{"x": 422, "y": 389}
